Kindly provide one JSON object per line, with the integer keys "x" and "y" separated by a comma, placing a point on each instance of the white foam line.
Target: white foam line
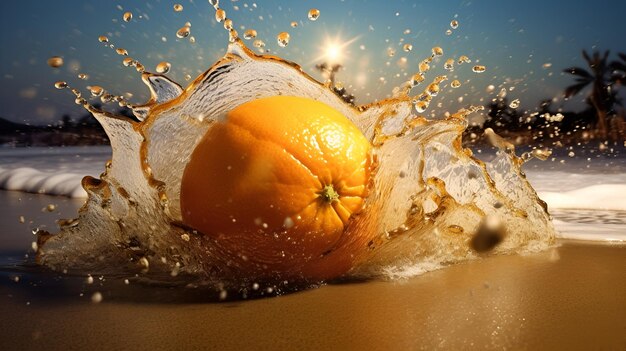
{"x": 33, "y": 181}
{"x": 601, "y": 197}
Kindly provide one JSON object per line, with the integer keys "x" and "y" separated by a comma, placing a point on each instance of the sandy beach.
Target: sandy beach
{"x": 569, "y": 297}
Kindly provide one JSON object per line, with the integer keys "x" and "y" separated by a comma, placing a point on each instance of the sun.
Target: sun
{"x": 333, "y": 49}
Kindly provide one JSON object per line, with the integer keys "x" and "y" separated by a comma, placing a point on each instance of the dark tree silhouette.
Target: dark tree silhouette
{"x": 618, "y": 68}
{"x": 599, "y": 77}
{"x": 501, "y": 116}
{"x": 329, "y": 71}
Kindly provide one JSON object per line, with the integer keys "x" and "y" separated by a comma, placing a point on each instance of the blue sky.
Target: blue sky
{"x": 524, "y": 45}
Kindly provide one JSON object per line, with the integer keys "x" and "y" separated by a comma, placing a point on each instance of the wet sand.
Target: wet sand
{"x": 570, "y": 297}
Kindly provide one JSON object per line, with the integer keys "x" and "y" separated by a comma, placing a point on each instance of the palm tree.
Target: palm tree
{"x": 599, "y": 78}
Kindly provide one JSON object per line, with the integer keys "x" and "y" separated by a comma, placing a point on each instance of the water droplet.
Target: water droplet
{"x": 103, "y": 39}
{"x": 55, "y": 61}
{"x": 454, "y": 24}
{"x": 80, "y": 101}
{"x": 437, "y": 51}
{"x": 232, "y": 35}
{"x": 192, "y": 39}
{"x": 416, "y": 79}
{"x": 514, "y": 103}
{"x": 82, "y": 76}
{"x": 95, "y": 90}
{"x": 294, "y": 24}
{"x": 283, "y": 39}
{"x": 183, "y": 32}
{"x": 128, "y": 61}
{"x": 187, "y": 77}
{"x": 139, "y": 67}
{"x": 479, "y": 69}
{"x": 448, "y": 32}
{"x": 96, "y": 297}
{"x": 228, "y": 24}
{"x": 178, "y": 7}
{"x": 424, "y": 66}
{"x": 449, "y": 65}
{"x": 314, "y": 14}
{"x": 407, "y": 47}
{"x": 391, "y": 52}
{"x": 121, "y": 51}
{"x": 220, "y": 15}
{"x": 106, "y": 98}
{"x": 455, "y": 83}
{"x": 571, "y": 154}
{"x": 60, "y": 85}
{"x": 258, "y": 43}
{"x": 249, "y": 34}
{"x": 127, "y": 17}
{"x": 214, "y": 3}
{"x": 163, "y": 67}
{"x": 463, "y": 59}
{"x": 432, "y": 89}
{"x": 421, "y": 106}
{"x": 223, "y": 295}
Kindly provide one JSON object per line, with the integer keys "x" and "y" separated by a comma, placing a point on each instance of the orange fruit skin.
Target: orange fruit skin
{"x": 255, "y": 185}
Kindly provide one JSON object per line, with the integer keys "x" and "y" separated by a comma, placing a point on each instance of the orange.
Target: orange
{"x": 276, "y": 184}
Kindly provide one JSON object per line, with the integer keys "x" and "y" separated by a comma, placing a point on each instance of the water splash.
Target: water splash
{"x": 432, "y": 203}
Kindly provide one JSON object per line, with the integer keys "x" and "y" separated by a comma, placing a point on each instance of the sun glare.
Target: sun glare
{"x": 333, "y": 50}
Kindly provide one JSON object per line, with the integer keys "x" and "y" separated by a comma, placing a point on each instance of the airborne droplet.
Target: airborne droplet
{"x": 407, "y": 47}
{"x": 294, "y": 24}
{"x": 455, "y": 83}
{"x": 220, "y": 15}
{"x": 163, "y": 67}
{"x": 178, "y": 7}
{"x": 183, "y": 32}
{"x": 103, "y": 39}
{"x": 463, "y": 59}
{"x": 228, "y": 24}
{"x": 214, "y": 3}
{"x": 258, "y": 43}
{"x": 60, "y": 85}
{"x": 82, "y": 76}
{"x": 437, "y": 51}
{"x": 433, "y": 89}
{"x": 283, "y": 39}
{"x": 95, "y": 90}
{"x": 127, "y": 17}
{"x": 514, "y": 103}
{"x": 121, "y": 51}
{"x": 249, "y": 34}
{"x": 479, "y": 69}
{"x": 55, "y": 61}
{"x": 416, "y": 79}
{"x": 449, "y": 65}
{"x": 454, "y": 24}
{"x": 448, "y": 31}
{"x": 314, "y": 14}
{"x": 424, "y": 66}
{"x": 421, "y": 106}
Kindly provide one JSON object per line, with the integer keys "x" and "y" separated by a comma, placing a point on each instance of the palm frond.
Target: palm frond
{"x": 575, "y": 89}
{"x": 577, "y": 71}
{"x": 586, "y": 57}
